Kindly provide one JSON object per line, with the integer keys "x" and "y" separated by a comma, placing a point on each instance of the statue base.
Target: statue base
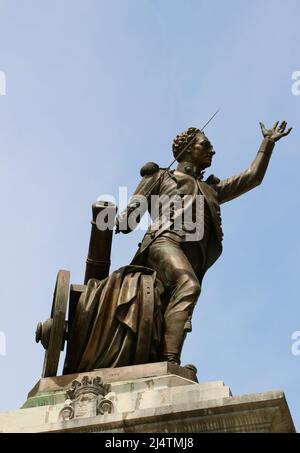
{"x": 151, "y": 398}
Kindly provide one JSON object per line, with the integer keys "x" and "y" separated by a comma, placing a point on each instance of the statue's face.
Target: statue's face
{"x": 202, "y": 152}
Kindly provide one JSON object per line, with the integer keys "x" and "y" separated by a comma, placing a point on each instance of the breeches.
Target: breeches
{"x": 177, "y": 265}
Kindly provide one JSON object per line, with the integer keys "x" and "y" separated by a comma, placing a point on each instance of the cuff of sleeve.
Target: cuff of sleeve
{"x": 267, "y": 146}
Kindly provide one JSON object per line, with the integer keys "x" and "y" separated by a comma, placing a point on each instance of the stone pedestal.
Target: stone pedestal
{"x": 152, "y": 398}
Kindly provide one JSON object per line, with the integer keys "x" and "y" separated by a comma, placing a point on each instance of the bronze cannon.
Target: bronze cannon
{"x": 53, "y": 333}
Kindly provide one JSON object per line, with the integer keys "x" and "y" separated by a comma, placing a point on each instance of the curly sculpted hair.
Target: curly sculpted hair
{"x": 183, "y": 141}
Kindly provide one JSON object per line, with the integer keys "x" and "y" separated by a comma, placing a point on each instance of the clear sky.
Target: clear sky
{"x": 94, "y": 89}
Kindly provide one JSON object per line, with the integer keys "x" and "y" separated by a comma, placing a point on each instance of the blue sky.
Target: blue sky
{"x": 94, "y": 89}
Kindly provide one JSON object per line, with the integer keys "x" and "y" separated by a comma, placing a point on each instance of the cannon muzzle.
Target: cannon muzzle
{"x": 98, "y": 260}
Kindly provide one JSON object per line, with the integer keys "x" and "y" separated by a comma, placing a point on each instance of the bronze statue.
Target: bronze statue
{"x": 181, "y": 264}
{"x": 142, "y": 312}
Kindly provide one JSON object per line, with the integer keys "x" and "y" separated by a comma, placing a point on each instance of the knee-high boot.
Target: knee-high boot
{"x": 174, "y": 337}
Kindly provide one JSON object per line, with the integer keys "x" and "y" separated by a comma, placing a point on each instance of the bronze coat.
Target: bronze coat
{"x": 214, "y": 191}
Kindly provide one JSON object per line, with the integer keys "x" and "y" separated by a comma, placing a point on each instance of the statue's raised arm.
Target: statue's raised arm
{"x": 235, "y": 186}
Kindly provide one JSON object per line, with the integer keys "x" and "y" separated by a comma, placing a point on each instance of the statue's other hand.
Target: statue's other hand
{"x": 121, "y": 222}
{"x": 277, "y": 132}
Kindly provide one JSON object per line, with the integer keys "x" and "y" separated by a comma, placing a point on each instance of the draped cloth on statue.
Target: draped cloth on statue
{"x": 108, "y": 329}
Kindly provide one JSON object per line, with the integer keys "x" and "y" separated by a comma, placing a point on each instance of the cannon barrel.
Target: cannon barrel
{"x": 98, "y": 260}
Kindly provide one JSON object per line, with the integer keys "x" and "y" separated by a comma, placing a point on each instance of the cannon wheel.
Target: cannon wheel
{"x": 52, "y": 333}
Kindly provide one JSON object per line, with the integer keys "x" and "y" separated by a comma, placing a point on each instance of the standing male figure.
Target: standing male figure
{"x": 180, "y": 263}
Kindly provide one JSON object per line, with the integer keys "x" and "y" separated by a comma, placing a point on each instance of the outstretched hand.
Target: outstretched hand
{"x": 277, "y": 132}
